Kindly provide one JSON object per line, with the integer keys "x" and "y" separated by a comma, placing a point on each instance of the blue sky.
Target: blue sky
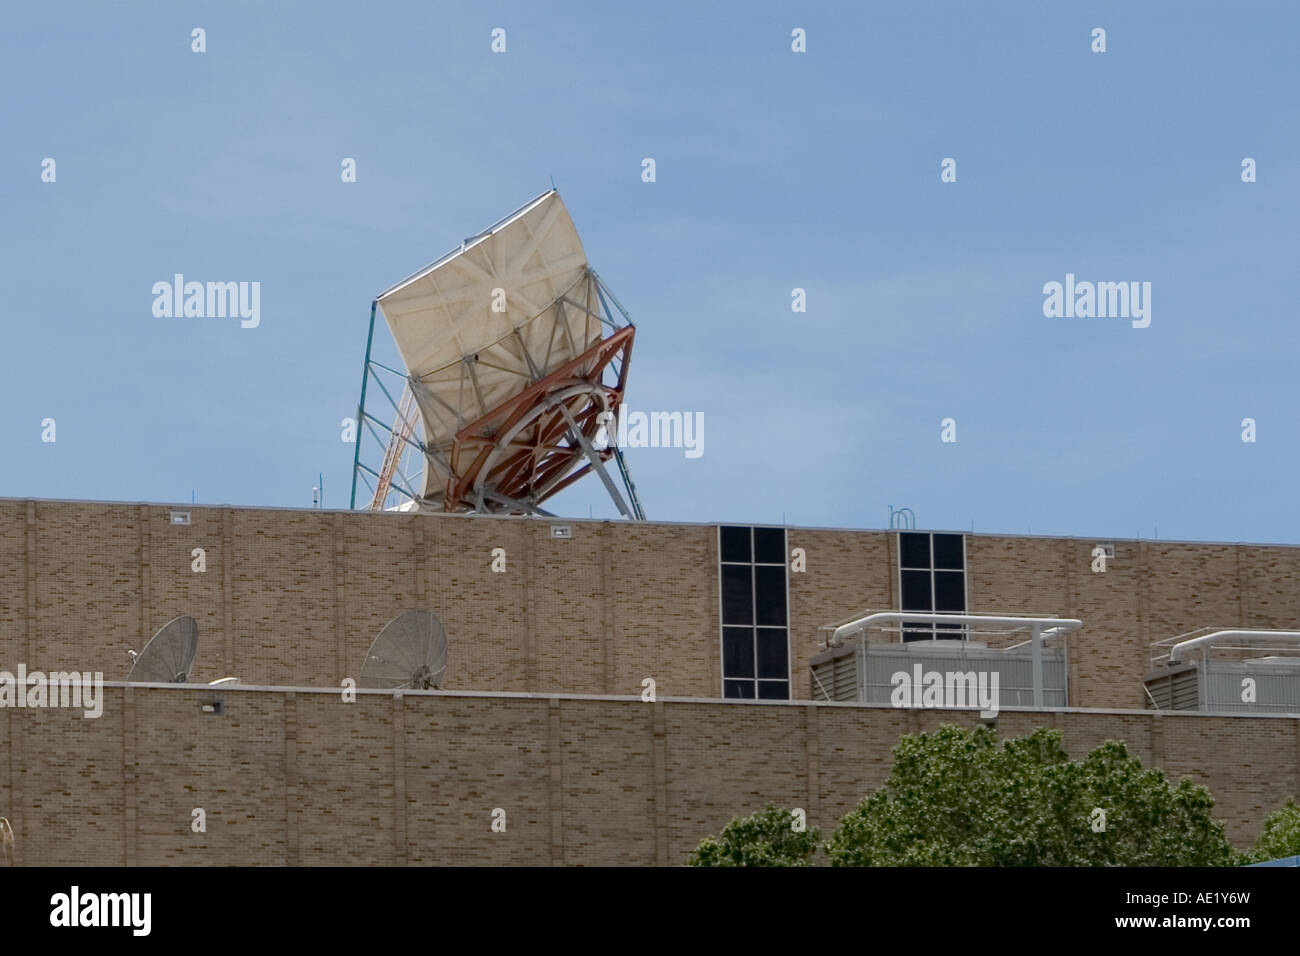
{"x": 775, "y": 170}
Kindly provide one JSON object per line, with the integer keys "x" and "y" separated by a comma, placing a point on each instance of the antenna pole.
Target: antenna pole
{"x": 365, "y": 377}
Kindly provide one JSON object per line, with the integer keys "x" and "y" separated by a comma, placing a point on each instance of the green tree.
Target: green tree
{"x": 768, "y": 838}
{"x": 1280, "y": 837}
{"x": 957, "y": 798}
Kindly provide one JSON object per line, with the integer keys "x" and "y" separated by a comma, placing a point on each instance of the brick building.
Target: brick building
{"x": 541, "y": 713}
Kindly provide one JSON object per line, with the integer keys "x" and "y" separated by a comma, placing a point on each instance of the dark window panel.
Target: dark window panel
{"x": 737, "y": 652}
{"x": 769, "y": 588}
{"x": 916, "y": 591}
{"x": 913, "y": 550}
{"x": 948, "y": 550}
{"x": 735, "y": 544}
{"x": 773, "y": 690}
{"x": 949, "y": 591}
{"x": 950, "y": 632}
{"x": 737, "y": 594}
{"x": 773, "y": 652}
{"x": 769, "y": 545}
{"x": 743, "y": 689}
{"x": 917, "y": 632}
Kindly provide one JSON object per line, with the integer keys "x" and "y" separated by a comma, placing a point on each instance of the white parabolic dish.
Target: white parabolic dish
{"x": 464, "y": 358}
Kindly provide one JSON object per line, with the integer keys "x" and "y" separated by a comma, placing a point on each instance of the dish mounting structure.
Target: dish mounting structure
{"x": 514, "y": 347}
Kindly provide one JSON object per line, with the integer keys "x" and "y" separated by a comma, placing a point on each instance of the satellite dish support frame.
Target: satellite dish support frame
{"x": 547, "y": 395}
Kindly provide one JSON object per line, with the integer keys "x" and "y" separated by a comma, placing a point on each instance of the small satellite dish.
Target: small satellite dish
{"x": 410, "y": 652}
{"x": 168, "y": 656}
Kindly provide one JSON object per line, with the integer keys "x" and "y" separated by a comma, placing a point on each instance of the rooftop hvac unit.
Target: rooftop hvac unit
{"x": 1222, "y": 671}
{"x": 1028, "y": 673}
{"x": 865, "y": 673}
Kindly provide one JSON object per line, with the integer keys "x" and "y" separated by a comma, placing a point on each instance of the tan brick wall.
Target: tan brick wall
{"x": 848, "y": 571}
{"x": 296, "y": 597}
{"x": 88, "y": 571}
{"x": 301, "y": 777}
{"x": 13, "y": 581}
{"x": 664, "y": 598}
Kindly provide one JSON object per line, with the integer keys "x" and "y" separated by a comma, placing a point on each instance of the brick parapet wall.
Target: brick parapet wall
{"x": 299, "y": 776}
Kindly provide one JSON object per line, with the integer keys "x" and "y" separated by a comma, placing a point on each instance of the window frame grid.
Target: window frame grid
{"x": 932, "y": 570}
{"x": 754, "y": 626}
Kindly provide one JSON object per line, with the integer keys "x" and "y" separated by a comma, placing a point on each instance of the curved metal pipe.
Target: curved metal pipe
{"x": 1177, "y": 651}
{"x": 1054, "y": 625}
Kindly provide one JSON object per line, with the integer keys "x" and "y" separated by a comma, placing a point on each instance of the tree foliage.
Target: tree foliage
{"x": 1280, "y": 837}
{"x": 957, "y": 798}
{"x": 767, "y": 838}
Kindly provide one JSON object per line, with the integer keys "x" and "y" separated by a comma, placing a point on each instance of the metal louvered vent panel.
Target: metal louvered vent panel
{"x": 846, "y": 678}
{"x": 1184, "y": 690}
{"x": 1174, "y": 689}
{"x": 1158, "y": 689}
{"x": 835, "y": 675}
{"x": 823, "y": 681}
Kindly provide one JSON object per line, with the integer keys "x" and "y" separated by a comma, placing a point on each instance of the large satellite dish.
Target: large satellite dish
{"x": 169, "y": 655}
{"x": 513, "y": 348}
{"x": 410, "y": 652}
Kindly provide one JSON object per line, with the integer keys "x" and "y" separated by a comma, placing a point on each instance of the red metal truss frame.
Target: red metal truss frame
{"x": 524, "y": 450}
